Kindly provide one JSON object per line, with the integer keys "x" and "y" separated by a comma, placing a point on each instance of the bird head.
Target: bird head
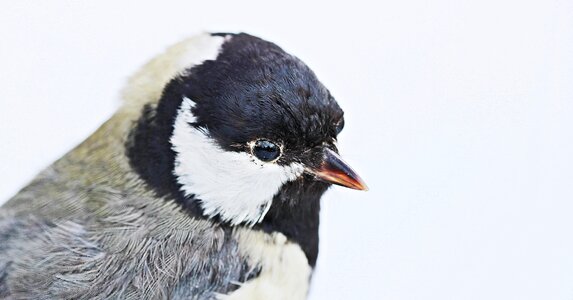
{"x": 238, "y": 127}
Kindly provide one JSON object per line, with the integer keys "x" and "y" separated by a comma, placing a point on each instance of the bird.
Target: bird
{"x": 205, "y": 184}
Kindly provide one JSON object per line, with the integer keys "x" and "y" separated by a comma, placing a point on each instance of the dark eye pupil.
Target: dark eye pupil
{"x": 266, "y": 151}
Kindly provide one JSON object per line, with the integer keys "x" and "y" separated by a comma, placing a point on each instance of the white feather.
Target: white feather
{"x": 284, "y": 275}
{"x": 234, "y": 185}
{"x": 145, "y": 86}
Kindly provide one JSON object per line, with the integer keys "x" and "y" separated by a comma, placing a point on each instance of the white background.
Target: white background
{"x": 458, "y": 113}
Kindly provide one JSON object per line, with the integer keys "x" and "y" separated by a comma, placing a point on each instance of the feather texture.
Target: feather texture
{"x": 113, "y": 218}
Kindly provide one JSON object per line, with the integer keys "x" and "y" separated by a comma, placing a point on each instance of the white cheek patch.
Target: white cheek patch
{"x": 234, "y": 185}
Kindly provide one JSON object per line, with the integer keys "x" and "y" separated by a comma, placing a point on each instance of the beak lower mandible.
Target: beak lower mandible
{"x": 334, "y": 170}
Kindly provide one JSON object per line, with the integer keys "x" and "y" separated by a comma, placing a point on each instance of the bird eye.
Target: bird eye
{"x": 339, "y": 126}
{"x": 266, "y": 150}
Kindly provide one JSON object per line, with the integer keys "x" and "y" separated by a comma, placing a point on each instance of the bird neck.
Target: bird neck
{"x": 295, "y": 212}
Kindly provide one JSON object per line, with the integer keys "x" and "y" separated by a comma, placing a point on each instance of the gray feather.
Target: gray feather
{"x": 88, "y": 228}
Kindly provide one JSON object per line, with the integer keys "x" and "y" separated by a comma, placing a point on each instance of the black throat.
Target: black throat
{"x": 295, "y": 213}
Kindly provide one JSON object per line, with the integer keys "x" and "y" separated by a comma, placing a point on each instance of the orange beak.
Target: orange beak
{"x": 334, "y": 170}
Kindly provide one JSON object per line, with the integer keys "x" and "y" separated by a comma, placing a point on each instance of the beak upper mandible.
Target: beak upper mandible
{"x": 334, "y": 170}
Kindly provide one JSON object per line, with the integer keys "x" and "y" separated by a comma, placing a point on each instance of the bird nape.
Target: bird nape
{"x": 205, "y": 184}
